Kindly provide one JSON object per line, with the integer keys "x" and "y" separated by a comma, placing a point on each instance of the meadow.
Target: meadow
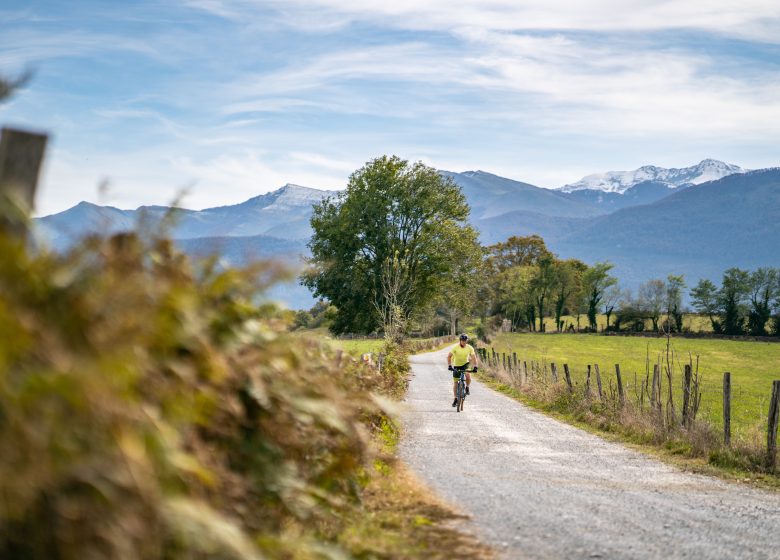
{"x": 692, "y": 322}
{"x": 753, "y": 366}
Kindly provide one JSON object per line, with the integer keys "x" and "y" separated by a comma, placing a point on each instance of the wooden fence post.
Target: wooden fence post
{"x": 621, "y": 395}
{"x": 554, "y": 372}
{"x": 727, "y": 408}
{"x": 771, "y": 436}
{"x": 21, "y": 154}
{"x": 525, "y": 371}
{"x": 587, "y": 383}
{"x": 598, "y": 381}
{"x": 654, "y": 395}
{"x": 514, "y": 360}
{"x": 503, "y": 361}
{"x": 568, "y": 377}
{"x": 686, "y": 415}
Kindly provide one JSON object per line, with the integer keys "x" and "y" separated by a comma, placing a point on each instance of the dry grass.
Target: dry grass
{"x": 635, "y": 420}
{"x": 149, "y": 408}
{"x": 401, "y": 514}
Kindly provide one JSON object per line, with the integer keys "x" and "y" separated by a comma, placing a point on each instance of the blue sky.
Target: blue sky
{"x": 227, "y": 99}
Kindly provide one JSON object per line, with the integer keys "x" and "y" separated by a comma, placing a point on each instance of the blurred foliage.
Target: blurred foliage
{"x": 149, "y": 408}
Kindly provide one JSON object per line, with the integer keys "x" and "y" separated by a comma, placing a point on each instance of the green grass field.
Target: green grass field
{"x": 691, "y": 322}
{"x": 753, "y": 366}
{"x": 354, "y": 347}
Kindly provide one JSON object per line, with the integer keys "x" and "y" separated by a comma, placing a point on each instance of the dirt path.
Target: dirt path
{"x": 538, "y": 488}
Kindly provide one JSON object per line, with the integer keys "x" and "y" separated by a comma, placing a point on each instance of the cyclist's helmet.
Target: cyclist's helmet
{"x": 464, "y": 336}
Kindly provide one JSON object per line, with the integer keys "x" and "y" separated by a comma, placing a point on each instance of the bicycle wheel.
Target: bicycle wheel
{"x": 461, "y": 396}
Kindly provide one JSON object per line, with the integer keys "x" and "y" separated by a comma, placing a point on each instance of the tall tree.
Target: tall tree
{"x": 568, "y": 283}
{"x": 762, "y": 289}
{"x": 390, "y": 211}
{"x": 674, "y": 289}
{"x": 518, "y": 251}
{"x": 596, "y": 280}
{"x": 543, "y": 285}
{"x": 650, "y": 300}
{"x": 704, "y": 298}
{"x": 731, "y": 300}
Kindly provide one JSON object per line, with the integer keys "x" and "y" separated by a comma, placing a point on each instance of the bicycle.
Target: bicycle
{"x": 460, "y": 391}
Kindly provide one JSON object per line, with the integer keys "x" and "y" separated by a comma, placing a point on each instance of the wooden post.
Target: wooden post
{"x": 568, "y": 377}
{"x": 598, "y": 381}
{"x": 654, "y": 395}
{"x": 621, "y": 395}
{"x": 514, "y": 360}
{"x": 503, "y": 360}
{"x": 587, "y": 383}
{"x": 554, "y": 372}
{"x": 727, "y": 408}
{"x": 686, "y": 416}
{"x": 771, "y": 436}
{"x": 525, "y": 371}
{"x": 21, "y": 154}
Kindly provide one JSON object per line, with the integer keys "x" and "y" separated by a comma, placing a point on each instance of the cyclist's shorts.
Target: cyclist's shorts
{"x": 457, "y": 370}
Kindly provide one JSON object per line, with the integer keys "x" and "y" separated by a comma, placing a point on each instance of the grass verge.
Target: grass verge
{"x": 753, "y": 366}
{"x": 674, "y": 451}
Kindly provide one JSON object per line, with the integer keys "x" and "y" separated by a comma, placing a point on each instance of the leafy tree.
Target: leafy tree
{"x": 704, "y": 298}
{"x": 516, "y": 295}
{"x": 674, "y": 289}
{"x": 462, "y": 292}
{"x": 568, "y": 283}
{"x": 596, "y": 280}
{"x": 650, "y": 299}
{"x": 762, "y": 288}
{"x": 543, "y": 285}
{"x": 731, "y": 300}
{"x": 518, "y": 251}
{"x": 390, "y": 210}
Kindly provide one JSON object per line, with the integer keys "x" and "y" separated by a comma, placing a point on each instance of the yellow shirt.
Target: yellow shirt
{"x": 460, "y": 355}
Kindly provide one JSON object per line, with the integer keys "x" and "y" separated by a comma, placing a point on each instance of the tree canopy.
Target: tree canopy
{"x": 392, "y": 240}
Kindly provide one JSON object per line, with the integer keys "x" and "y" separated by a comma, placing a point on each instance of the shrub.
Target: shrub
{"x": 149, "y": 408}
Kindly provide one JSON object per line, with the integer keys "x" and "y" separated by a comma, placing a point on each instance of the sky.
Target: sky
{"x": 211, "y": 102}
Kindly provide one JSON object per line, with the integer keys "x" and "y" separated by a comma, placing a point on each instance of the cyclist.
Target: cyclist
{"x": 458, "y": 360}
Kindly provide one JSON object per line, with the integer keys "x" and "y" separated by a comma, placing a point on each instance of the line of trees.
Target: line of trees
{"x": 745, "y": 302}
{"x": 394, "y": 252}
{"x": 528, "y": 283}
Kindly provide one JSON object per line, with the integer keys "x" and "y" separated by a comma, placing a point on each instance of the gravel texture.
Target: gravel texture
{"x": 538, "y": 488}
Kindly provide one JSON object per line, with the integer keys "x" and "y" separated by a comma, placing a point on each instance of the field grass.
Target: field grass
{"x": 353, "y": 346}
{"x": 753, "y": 366}
{"x": 691, "y": 322}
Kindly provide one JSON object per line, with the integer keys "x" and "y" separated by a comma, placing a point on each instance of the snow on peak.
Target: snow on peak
{"x": 620, "y": 181}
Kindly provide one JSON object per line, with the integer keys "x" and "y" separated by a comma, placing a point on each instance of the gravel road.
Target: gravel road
{"x": 538, "y": 488}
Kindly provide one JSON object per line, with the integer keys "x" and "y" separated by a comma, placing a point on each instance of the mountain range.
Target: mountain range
{"x": 697, "y": 221}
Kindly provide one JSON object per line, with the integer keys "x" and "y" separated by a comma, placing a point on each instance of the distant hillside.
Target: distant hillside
{"x": 648, "y": 229}
{"x": 283, "y": 213}
{"x": 645, "y": 192}
{"x": 490, "y": 195}
{"x": 699, "y": 231}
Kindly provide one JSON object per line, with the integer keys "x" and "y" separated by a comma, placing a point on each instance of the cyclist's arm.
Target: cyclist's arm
{"x": 449, "y": 359}
{"x": 473, "y": 359}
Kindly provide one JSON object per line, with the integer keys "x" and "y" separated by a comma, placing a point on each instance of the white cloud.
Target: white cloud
{"x": 755, "y": 19}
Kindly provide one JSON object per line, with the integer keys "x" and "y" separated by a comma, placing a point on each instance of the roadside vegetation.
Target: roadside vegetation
{"x": 648, "y": 414}
{"x": 151, "y": 409}
{"x": 753, "y": 366}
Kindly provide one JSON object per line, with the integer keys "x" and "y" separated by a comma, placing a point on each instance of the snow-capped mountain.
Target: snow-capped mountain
{"x": 620, "y": 181}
